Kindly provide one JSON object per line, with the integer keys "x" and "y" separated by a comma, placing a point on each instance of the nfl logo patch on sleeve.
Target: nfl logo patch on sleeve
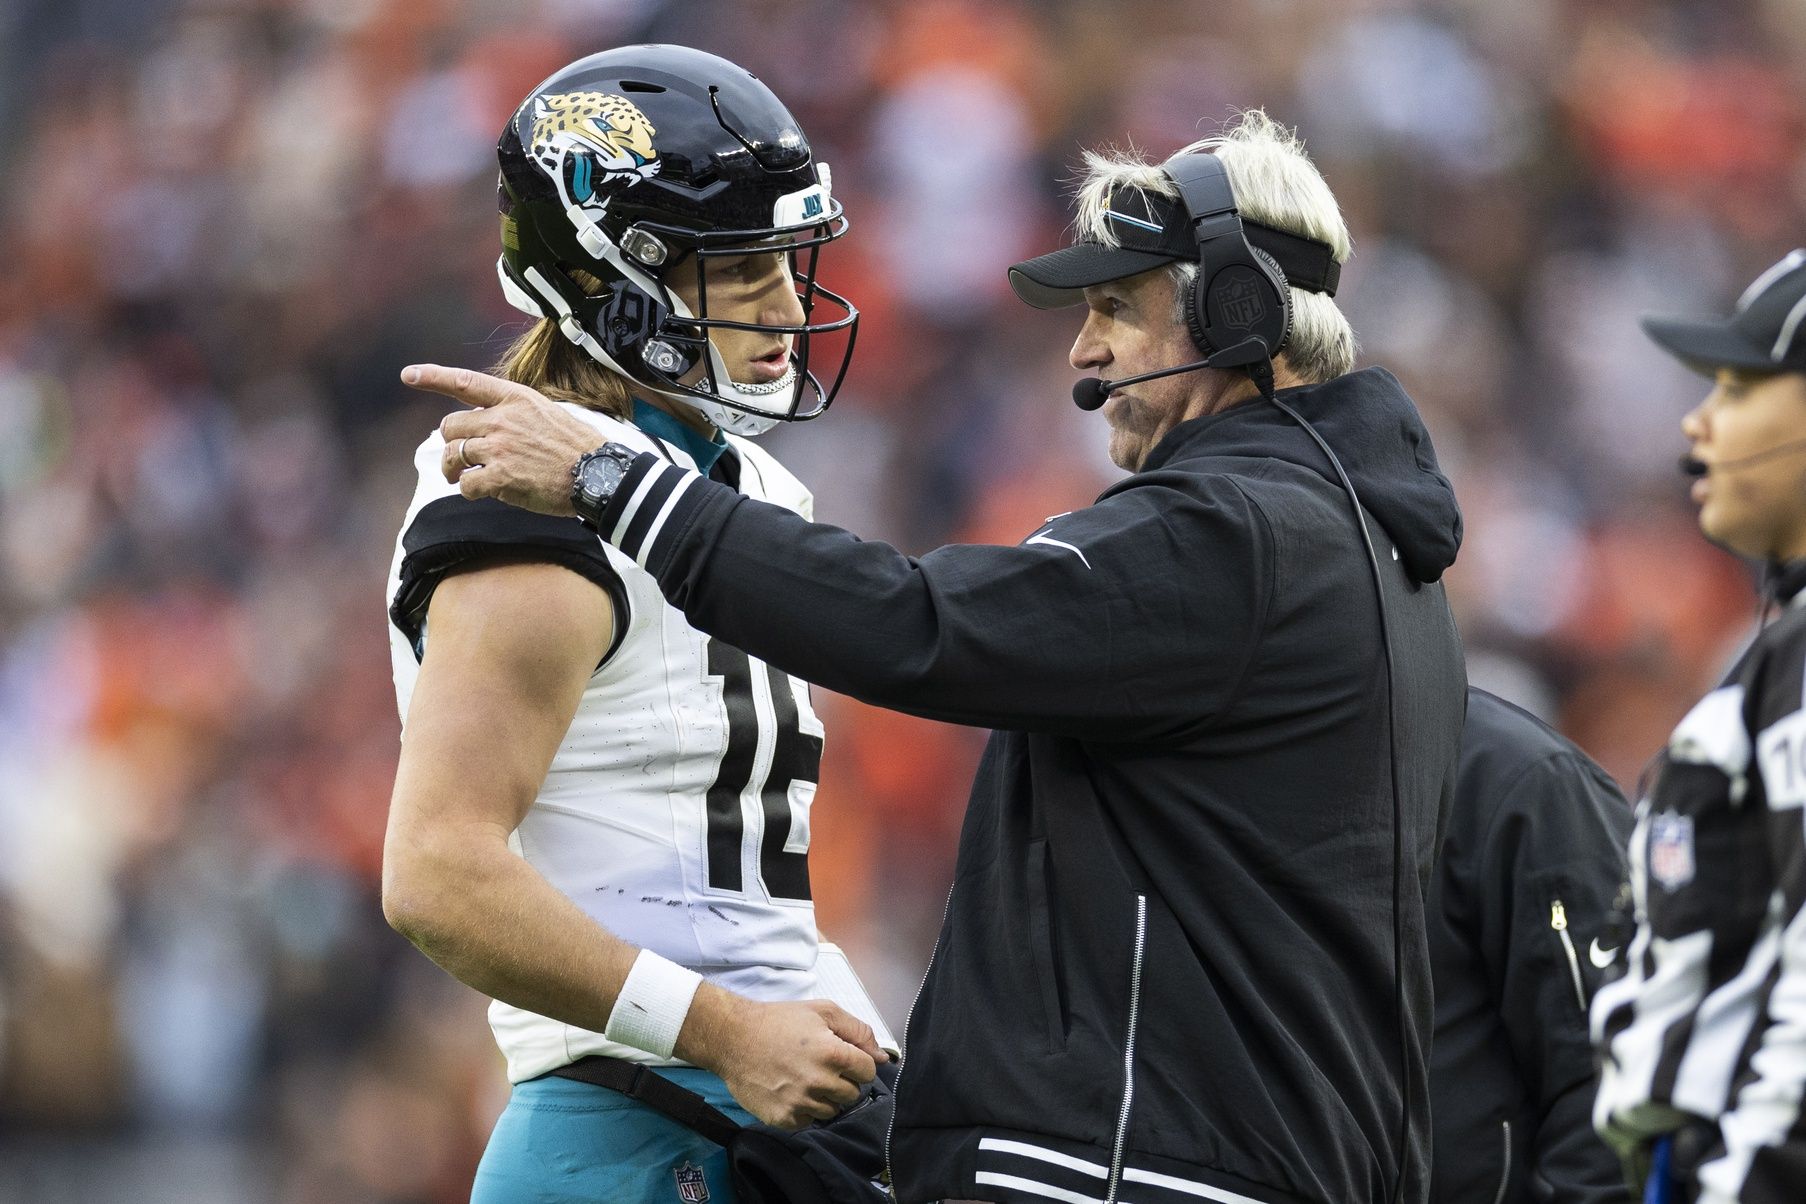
{"x": 1671, "y": 849}
{"x": 692, "y": 1188}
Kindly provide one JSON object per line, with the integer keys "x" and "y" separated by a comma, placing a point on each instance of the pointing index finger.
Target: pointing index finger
{"x": 461, "y": 384}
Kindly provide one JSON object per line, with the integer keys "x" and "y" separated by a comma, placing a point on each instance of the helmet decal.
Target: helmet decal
{"x": 593, "y": 144}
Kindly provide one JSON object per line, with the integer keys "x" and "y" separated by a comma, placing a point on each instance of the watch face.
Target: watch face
{"x": 601, "y": 476}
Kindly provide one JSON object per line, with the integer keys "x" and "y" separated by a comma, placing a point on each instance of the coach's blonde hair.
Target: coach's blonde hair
{"x": 1275, "y": 184}
{"x": 545, "y": 360}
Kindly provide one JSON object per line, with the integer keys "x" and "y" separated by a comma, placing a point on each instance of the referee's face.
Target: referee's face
{"x": 1131, "y": 327}
{"x": 1752, "y": 498}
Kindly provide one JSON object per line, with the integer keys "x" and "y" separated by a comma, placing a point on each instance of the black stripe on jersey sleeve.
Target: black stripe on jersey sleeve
{"x": 656, "y": 549}
{"x": 649, "y": 485}
{"x": 643, "y": 464}
{"x": 456, "y": 533}
{"x": 652, "y": 497}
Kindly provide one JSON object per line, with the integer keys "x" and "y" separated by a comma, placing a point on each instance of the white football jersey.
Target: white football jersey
{"x": 676, "y": 811}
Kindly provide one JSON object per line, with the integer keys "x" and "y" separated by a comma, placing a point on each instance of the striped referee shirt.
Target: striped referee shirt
{"x": 1708, "y": 1018}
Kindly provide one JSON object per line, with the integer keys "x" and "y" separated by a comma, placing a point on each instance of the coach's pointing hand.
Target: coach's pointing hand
{"x": 513, "y": 444}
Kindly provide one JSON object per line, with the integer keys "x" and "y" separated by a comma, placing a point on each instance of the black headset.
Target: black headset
{"x": 1239, "y": 293}
{"x": 1240, "y": 315}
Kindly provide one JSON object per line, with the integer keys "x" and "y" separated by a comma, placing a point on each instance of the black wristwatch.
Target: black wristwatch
{"x": 595, "y": 477}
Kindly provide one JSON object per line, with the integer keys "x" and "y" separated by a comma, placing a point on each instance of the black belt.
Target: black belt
{"x": 646, "y": 1085}
{"x": 834, "y": 1163}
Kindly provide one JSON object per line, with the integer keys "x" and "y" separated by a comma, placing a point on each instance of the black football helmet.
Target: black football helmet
{"x": 625, "y": 164}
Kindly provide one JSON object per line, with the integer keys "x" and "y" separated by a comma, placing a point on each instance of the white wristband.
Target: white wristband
{"x": 653, "y": 1002}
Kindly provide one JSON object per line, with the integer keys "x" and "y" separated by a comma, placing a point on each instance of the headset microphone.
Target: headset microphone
{"x": 1090, "y": 393}
{"x": 1694, "y": 467}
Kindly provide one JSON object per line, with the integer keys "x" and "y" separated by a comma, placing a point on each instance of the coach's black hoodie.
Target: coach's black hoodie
{"x": 1167, "y": 966}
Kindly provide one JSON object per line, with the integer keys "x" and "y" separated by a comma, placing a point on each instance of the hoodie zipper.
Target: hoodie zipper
{"x": 1128, "y": 1054}
{"x": 1558, "y": 920}
{"x": 890, "y": 1126}
{"x": 1505, "y": 1177}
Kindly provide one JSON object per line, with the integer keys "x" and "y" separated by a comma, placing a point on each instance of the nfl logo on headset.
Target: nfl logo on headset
{"x": 1242, "y": 306}
{"x": 692, "y": 1188}
{"x": 1671, "y": 849}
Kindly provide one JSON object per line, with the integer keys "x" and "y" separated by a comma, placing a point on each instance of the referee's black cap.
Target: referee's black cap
{"x": 1765, "y": 333}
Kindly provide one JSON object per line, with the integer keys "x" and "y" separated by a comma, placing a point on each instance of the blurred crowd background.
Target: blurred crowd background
{"x": 226, "y": 224}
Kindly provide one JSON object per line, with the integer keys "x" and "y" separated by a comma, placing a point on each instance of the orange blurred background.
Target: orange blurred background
{"x": 225, "y": 224}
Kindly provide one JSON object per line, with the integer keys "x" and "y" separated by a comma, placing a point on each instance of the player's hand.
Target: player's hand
{"x": 786, "y": 1063}
{"x": 512, "y": 444}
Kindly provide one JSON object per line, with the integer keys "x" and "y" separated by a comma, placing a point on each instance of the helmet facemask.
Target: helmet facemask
{"x": 587, "y": 195}
{"x": 682, "y": 355}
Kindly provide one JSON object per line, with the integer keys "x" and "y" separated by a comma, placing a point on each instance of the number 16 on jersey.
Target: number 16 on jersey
{"x": 764, "y": 732}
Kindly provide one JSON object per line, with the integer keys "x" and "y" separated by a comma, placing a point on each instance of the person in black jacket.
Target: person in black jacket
{"x": 1184, "y": 954}
{"x": 1704, "y": 1033}
{"x": 1531, "y": 862}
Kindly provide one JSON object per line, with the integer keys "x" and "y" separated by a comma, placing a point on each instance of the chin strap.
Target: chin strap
{"x": 786, "y": 381}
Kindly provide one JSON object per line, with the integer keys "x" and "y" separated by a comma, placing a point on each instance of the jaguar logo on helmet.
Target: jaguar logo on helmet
{"x": 593, "y": 144}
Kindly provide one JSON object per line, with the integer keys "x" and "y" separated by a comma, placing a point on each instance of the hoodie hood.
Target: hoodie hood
{"x": 1376, "y": 432}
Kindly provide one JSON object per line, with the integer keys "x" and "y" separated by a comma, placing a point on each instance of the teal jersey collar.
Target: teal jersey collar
{"x": 660, "y": 425}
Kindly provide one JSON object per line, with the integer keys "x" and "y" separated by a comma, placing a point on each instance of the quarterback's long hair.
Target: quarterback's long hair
{"x": 543, "y": 359}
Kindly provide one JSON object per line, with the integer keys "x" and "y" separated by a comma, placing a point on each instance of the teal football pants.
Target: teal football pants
{"x": 564, "y": 1142}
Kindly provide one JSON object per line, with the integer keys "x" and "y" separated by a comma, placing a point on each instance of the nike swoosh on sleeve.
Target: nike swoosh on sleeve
{"x": 1600, "y": 958}
{"x": 1056, "y": 543}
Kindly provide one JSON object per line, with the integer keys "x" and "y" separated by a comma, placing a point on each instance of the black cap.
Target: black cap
{"x": 1766, "y": 333}
{"x": 1154, "y": 231}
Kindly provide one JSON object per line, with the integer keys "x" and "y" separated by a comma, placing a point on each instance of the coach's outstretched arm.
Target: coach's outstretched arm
{"x": 1130, "y": 619}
